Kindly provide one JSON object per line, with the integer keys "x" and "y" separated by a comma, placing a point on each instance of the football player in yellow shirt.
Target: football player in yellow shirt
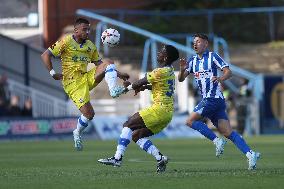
{"x": 151, "y": 120}
{"x": 76, "y": 51}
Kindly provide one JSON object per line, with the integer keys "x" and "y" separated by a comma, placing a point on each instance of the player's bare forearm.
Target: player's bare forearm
{"x": 227, "y": 73}
{"x": 142, "y": 88}
{"x": 137, "y": 84}
{"x": 46, "y": 58}
{"x": 147, "y": 86}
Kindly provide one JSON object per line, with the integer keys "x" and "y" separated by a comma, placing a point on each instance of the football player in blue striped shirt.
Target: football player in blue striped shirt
{"x": 204, "y": 66}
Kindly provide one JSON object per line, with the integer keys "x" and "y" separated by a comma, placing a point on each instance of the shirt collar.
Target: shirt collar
{"x": 205, "y": 54}
{"x": 81, "y": 44}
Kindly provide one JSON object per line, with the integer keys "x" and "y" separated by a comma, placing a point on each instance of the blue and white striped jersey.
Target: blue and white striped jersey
{"x": 203, "y": 70}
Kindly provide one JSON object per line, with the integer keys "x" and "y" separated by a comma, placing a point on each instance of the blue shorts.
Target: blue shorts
{"x": 212, "y": 108}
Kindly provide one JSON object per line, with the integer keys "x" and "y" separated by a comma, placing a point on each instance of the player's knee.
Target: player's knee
{"x": 129, "y": 122}
{"x": 226, "y": 133}
{"x": 135, "y": 136}
{"x": 90, "y": 115}
{"x": 108, "y": 61}
{"x": 125, "y": 124}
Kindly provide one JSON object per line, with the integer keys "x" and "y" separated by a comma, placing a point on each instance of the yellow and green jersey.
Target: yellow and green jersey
{"x": 163, "y": 86}
{"x": 74, "y": 56}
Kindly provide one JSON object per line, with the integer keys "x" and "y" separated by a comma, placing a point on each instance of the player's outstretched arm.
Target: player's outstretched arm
{"x": 139, "y": 83}
{"x": 46, "y": 58}
{"x": 142, "y": 88}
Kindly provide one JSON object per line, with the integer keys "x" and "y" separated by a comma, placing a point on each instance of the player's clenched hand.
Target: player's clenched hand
{"x": 57, "y": 76}
{"x": 182, "y": 64}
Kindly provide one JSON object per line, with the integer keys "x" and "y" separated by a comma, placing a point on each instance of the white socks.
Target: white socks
{"x": 148, "y": 146}
{"x": 82, "y": 123}
{"x": 143, "y": 143}
{"x": 111, "y": 76}
{"x": 124, "y": 140}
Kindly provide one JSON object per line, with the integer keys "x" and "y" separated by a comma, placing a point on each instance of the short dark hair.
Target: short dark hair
{"x": 172, "y": 53}
{"x": 81, "y": 21}
{"x": 201, "y": 35}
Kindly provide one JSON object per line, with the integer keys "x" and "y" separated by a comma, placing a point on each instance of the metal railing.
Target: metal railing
{"x": 43, "y": 105}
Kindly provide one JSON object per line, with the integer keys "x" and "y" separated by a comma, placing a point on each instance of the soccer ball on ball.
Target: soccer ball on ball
{"x": 110, "y": 37}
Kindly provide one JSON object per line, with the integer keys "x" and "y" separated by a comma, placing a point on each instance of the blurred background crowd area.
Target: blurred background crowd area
{"x": 10, "y": 105}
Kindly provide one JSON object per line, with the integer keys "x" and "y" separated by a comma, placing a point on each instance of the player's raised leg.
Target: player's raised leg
{"x": 87, "y": 115}
{"x": 225, "y": 129}
{"x": 107, "y": 70}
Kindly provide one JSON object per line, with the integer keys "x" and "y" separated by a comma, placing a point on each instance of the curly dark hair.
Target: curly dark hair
{"x": 172, "y": 53}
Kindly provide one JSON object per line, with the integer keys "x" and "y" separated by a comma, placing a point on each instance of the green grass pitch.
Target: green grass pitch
{"x": 56, "y": 165}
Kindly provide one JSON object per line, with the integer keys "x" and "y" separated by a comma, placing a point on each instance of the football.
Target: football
{"x": 110, "y": 37}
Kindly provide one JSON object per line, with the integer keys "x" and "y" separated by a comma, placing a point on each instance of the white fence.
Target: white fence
{"x": 44, "y": 105}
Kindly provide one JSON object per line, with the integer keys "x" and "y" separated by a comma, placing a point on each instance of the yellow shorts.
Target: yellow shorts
{"x": 156, "y": 117}
{"x": 79, "y": 89}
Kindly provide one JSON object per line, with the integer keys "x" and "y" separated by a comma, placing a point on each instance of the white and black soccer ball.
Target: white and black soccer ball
{"x": 110, "y": 37}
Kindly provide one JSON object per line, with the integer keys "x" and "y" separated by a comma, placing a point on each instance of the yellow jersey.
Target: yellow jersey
{"x": 163, "y": 86}
{"x": 74, "y": 56}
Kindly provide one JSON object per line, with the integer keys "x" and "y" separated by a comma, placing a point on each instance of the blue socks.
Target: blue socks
{"x": 234, "y": 136}
{"x": 204, "y": 130}
{"x": 239, "y": 142}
